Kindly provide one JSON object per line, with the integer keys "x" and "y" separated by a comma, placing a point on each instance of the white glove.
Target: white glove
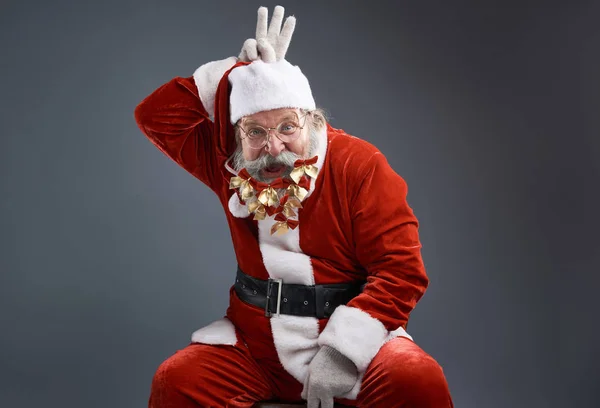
{"x": 270, "y": 44}
{"x": 330, "y": 374}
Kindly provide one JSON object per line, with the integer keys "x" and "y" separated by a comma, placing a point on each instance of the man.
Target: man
{"x": 327, "y": 246}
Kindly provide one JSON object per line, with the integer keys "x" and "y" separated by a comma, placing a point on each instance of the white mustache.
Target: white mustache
{"x": 285, "y": 158}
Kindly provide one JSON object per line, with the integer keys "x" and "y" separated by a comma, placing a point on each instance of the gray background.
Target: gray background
{"x": 111, "y": 255}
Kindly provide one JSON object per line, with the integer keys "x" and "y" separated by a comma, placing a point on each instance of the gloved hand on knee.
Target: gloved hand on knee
{"x": 330, "y": 374}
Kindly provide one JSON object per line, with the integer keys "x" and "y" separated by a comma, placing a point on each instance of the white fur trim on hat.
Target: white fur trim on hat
{"x": 207, "y": 79}
{"x": 262, "y": 86}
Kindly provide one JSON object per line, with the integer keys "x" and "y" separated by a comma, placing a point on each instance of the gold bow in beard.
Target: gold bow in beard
{"x": 283, "y": 225}
{"x": 246, "y": 189}
{"x": 309, "y": 169}
{"x": 268, "y": 197}
{"x": 279, "y": 228}
{"x": 297, "y": 191}
{"x": 259, "y": 210}
{"x": 289, "y": 206}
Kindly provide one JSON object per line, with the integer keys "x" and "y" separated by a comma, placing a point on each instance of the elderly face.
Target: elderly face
{"x": 276, "y": 158}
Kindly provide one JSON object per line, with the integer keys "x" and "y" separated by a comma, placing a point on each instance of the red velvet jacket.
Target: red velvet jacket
{"x": 355, "y": 224}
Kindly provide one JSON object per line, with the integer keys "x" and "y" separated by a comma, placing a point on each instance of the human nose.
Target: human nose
{"x": 274, "y": 145}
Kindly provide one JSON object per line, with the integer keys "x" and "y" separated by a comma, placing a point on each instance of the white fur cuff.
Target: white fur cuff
{"x": 207, "y": 79}
{"x": 355, "y": 334}
{"x": 236, "y": 208}
{"x": 218, "y": 332}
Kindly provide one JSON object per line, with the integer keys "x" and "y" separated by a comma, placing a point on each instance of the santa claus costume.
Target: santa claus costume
{"x": 340, "y": 220}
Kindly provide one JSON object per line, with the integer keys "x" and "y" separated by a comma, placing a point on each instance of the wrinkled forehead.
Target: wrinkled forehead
{"x": 271, "y": 117}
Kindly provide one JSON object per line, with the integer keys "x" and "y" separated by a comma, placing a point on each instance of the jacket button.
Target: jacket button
{"x": 305, "y": 302}
{"x": 327, "y": 304}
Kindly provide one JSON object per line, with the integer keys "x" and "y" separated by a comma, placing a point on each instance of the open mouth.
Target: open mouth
{"x": 274, "y": 170}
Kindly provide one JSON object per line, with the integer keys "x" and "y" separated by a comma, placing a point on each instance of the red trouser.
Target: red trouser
{"x": 401, "y": 375}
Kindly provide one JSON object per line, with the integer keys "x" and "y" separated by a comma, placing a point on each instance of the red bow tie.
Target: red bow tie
{"x": 300, "y": 162}
{"x": 305, "y": 182}
{"x": 243, "y": 173}
{"x": 282, "y": 218}
{"x": 276, "y": 184}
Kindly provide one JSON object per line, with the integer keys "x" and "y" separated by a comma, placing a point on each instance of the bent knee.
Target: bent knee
{"x": 407, "y": 371}
{"x": 410, "y": 363}
{"x": 175, "y": 371}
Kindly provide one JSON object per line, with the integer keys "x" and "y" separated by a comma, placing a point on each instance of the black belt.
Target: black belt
{"x": 276, "y": 297}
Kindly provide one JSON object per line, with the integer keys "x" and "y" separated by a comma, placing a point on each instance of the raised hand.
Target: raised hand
{"x": 271, "y": 44}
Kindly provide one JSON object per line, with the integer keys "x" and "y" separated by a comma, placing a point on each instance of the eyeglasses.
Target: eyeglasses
{"x": 257, "y": 136}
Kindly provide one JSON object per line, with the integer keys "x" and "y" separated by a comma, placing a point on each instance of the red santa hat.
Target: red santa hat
{"x": 262, "y": 86}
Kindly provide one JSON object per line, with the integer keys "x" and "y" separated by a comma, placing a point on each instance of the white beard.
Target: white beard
{"x": 287, "y": 158}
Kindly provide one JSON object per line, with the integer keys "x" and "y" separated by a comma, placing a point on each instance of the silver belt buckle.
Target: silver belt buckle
{"x": 279, "y": 282}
